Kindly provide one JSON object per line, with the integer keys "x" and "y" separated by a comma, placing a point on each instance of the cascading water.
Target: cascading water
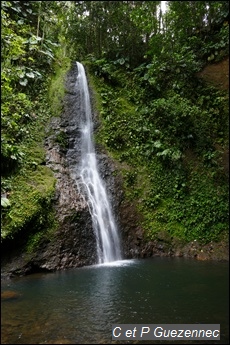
{"x": 108, "y": 244}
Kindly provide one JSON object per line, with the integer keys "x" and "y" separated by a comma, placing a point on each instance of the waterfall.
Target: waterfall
{"x": 107, "y": 239}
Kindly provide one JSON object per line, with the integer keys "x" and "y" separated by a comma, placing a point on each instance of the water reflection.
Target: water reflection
{"x": 80, "y": 305}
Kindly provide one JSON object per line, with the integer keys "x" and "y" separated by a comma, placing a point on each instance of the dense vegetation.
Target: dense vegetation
{"x": 166, "y": 128}
{"x": 31, "y": 50}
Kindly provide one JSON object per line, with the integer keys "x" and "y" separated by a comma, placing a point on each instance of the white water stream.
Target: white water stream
{"x": 108, "y": 244}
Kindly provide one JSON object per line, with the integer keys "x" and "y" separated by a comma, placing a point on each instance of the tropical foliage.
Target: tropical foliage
{"x": 166, "y": 127}
{"x": 29, "y": 52}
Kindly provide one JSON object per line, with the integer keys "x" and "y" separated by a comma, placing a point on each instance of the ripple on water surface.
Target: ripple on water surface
{"x": 81, "y": 305}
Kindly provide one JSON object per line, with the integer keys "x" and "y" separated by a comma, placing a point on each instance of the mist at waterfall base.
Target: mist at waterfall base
{"x": 79, "y": 306}
{"x": 107, "y": 238}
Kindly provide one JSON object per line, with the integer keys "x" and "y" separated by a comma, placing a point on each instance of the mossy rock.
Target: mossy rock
{"x": 31, "y": 200}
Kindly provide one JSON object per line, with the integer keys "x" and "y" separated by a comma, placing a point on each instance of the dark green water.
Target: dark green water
{"x": 79, "y": 306}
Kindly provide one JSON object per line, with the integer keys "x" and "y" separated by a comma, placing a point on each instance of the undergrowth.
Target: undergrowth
{"x": 166, "y": 147}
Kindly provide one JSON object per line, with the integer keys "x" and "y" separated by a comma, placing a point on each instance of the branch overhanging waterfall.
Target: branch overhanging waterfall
{"x": 108, "y": 243}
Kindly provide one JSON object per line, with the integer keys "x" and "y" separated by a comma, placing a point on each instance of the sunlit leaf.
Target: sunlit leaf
{"x": 33, "y": 40}
{"x": 5, "y": 202}
{"x": 23, "y": 82}
{"x": 46, "y": 53}
{"x": 30, "y": 74}
{"x": 21, "y": 75}
{"x": 157, "y": 144}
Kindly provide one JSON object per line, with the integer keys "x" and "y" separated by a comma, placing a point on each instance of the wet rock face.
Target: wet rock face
{"x": 74, "y": 244}
{"x": 71, "y": 246}
{"x": 107, "y": 169}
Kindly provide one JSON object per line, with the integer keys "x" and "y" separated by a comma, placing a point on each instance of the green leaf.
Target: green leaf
{"x": 210, "y": 58}
{"x": 46, "y": 53}
{"x": 157, "y": 144}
